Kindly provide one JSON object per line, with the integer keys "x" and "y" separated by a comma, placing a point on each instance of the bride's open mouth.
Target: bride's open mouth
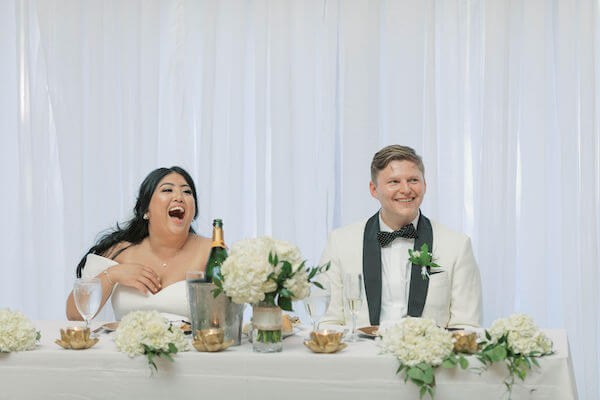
{"x": 177, "y": 213}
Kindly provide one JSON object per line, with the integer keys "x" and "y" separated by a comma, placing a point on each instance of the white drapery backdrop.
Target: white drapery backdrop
{"x": 276, "y": 108}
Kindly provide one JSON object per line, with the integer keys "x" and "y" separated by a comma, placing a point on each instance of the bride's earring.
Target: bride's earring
{"x": 145, "y": 216}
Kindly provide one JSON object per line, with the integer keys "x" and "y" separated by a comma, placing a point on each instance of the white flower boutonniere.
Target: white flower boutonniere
{"x": 425, "y": 259}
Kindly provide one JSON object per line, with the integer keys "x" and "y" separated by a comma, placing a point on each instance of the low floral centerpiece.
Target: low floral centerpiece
{"x": 148, "y": 333}
{"x": 420, "y": 347}
{"x": 269, "y": 274}
{"x": 17, "y": 333}
{"x": 518, "y": 343}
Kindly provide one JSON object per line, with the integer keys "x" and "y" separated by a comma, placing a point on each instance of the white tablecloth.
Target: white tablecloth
{"x": 358, "y": 372}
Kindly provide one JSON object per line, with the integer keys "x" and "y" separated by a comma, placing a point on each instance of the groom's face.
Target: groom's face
{"x": 400, "y": 188}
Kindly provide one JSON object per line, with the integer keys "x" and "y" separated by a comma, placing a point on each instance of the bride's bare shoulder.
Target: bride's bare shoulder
{"x": 200, "y": 242}
{"x": 116, "y": 250}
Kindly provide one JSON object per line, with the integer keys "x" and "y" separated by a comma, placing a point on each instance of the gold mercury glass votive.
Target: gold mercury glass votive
{"x": 211, "y": 340}
{"x": 76, "y": 338}
{"x": 325, "y": 341}
{"x": 465, "y": 342}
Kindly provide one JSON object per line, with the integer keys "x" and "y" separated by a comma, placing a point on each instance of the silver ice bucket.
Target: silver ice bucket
{"x": 208, "y": 311}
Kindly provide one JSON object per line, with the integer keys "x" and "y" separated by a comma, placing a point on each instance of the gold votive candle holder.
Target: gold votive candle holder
{"x": 465, "y": 342}
{"x": 76, "y": 338}
{"x": 210, "y": 340}
{"x": 325, "y": 341}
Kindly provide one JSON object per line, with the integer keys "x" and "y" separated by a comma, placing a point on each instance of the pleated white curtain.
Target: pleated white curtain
{"x": 276, "y": 108}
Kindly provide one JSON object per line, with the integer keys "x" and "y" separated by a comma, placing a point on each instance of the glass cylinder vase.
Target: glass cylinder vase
{"x": 266, "y": 328}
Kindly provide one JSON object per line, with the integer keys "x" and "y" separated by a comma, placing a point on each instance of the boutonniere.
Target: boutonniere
{"x": 425, "y": 259}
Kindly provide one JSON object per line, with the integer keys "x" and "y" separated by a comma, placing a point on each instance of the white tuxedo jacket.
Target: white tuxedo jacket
{"x": 452, "y": 297}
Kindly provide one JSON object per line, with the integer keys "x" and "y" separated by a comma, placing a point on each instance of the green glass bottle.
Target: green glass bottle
{"x": 218, "y": 253}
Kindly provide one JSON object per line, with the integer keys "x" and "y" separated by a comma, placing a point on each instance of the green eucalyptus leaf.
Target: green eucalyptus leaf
{"x": 167, "y": 356}
{"x": 172, "y": 348}
{"x": 463, "y": 362}
{"x": 285, "y": 303}
{"x": 416, "y": 374}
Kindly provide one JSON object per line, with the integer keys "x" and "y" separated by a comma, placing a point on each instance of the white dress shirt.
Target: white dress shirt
{"x": 395, "y": 276}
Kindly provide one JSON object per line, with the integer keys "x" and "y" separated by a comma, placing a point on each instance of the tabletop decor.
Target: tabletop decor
{"x": 211, "y": 340}
{"x": 76, "y": 338}
{"x": 148, "y": 333}
{"x": 269, "y": 274}
{"x": 518, "y": 343}
{"x": 325, "y": 342}
{"x": 425, "y": 259}
{"x": 17, "y": 333}
{"x": 421, "y": 347}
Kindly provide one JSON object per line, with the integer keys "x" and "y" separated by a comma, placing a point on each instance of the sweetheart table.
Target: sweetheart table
{"x": 358, "y": 372}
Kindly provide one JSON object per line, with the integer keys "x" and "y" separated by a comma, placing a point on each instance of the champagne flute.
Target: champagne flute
{"x": 88, "y": 295}
{"x": 353, "y": 288}
{"x": 316, "y": 305}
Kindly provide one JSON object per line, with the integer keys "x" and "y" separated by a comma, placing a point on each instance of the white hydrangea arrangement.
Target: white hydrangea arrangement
{"x": 517, "y": 342}
{"x": 420, "y": 346}
{"x": 147, "y": 332}
{"x": 17, "y": 333}
{"x": 524, "y": 337}
{"x": 267, "y": 269}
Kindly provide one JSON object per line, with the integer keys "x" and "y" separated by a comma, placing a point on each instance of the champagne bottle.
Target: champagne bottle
{"x": 218, "y": 253}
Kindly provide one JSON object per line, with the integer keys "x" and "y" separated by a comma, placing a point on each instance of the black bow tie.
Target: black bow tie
{"x": 407, "y": 231}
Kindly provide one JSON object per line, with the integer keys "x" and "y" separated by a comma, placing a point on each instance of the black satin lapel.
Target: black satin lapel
{"x": 372, "y": 268}
{"x": 418, "y": 286}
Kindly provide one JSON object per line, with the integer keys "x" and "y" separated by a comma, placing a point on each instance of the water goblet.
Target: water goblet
{"x": 88, "y": 296}
{"x": 353, "y": 289}
{"x": 316, "y": 305}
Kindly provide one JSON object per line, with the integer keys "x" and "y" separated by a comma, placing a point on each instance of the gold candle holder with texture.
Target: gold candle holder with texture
{"x": 211, "y": 340}
{"x": 325, "y": 342}
{"x": 76, "y": 338}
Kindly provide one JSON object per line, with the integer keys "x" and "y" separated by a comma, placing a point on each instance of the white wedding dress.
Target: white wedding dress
{"x": 170, "y": 300}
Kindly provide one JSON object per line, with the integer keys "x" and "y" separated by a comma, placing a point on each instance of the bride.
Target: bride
{"x": 143, "y": 264}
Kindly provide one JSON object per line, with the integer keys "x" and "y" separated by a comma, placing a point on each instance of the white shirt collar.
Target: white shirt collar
{"x": 385, "y": 228}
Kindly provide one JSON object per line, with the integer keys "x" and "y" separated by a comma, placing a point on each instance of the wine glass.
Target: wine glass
{"x": 316, "y": 305}
{"x": 88, "y": 295}
{"x": 353, "y": 288}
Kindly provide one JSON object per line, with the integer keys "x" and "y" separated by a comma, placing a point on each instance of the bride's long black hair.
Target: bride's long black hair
{"x": 136, "y": 229}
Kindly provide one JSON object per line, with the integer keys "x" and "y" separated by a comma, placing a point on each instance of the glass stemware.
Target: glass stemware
{"x": 88, "y": 295}
{"x": 316, "y": 305}
{"x": 353, "y": 288}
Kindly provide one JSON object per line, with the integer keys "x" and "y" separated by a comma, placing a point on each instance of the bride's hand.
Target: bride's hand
{"x": 138, "y": 276}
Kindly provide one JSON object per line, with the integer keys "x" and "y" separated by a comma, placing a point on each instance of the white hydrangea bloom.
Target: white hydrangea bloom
{"x": 247, "y": 268}
{"x": 17, "y": 333}
{"x": 417, "y": 340}
{"x": 524, "y": 336}
{"x": 149, "y": 328}
{"x": 298, "y": 285}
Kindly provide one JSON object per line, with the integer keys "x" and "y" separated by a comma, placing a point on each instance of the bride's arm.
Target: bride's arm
{"x": 98, "y": 267}
{"x": 110, "y": 273}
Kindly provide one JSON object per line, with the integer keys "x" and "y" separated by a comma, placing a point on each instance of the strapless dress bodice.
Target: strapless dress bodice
{"x": 171, "y": 299}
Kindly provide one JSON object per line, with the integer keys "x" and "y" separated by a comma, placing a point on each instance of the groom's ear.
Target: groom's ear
{"x": 373, "y": 190}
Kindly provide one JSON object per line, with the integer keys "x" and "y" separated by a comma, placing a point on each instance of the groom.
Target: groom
{"x": 378, "y": 248}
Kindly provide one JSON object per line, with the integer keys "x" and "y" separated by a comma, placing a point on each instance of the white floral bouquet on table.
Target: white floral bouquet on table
{"x": 267, "y": 269}
{"x": 146, "y": 332}
{"x": 420, "y": 346}
{"x": 517, "y": 341}
{"x": 17, "y": 333}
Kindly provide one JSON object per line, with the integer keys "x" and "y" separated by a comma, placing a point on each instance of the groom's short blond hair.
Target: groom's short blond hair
{"x": 383, "y": 157}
